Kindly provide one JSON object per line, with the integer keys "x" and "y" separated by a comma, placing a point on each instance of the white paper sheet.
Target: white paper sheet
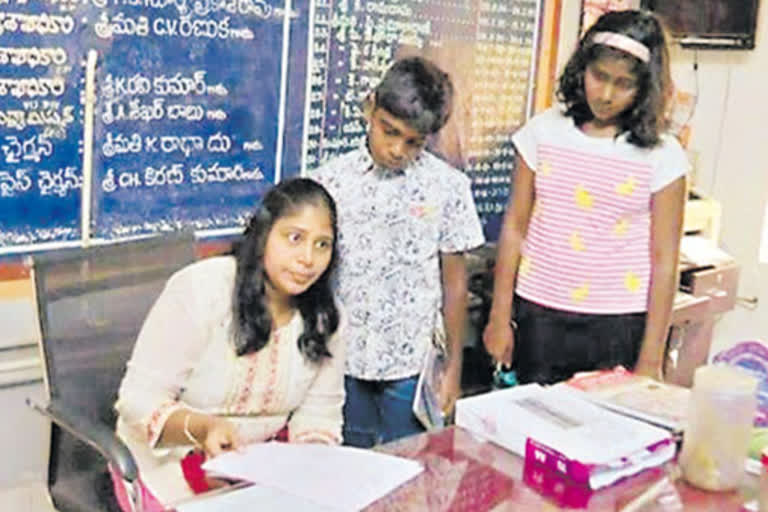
{"x": 339, "y": 478}
{"x": 255, "y": 497}
{"x": 701, "y": 251}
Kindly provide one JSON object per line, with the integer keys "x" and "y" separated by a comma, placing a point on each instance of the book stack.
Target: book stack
{"x": 664, "y": 405}
{"x": 566, "y": 433}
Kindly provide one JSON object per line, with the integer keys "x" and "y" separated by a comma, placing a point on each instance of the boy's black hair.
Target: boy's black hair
{"x": 418, "y": 92}
{"x": 644, "y": 120}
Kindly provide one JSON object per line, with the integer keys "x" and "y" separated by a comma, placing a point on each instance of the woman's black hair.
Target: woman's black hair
{"x": 644, "y": 120}
{"x": 252, "y": 320}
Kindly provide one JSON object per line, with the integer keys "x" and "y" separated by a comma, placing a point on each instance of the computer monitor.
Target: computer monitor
{"x": 709, "y": 23}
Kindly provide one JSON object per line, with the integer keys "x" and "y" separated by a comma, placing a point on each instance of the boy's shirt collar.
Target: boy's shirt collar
{"x": 367, "y": 164}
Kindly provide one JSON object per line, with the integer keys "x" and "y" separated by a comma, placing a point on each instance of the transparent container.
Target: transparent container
{"x": 720, "y": 416}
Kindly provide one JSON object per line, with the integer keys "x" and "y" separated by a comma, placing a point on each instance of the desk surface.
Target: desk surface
{"x": 465, "y": 474}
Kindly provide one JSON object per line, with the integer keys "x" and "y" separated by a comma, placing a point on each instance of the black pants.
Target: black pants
{"x": 551, "y": 345}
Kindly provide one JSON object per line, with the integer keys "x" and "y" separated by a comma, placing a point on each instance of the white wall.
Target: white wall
{"x": 730, "y": 147}
{"x": 24, "y": 436}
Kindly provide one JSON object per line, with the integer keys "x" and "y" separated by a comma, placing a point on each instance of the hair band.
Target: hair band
{"x": 625, "y": 43}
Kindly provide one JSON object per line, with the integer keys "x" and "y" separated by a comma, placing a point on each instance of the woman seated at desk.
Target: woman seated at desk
{"x": 239, "y": 347}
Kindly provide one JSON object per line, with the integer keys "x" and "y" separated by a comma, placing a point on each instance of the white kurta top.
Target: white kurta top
{"x": 184, "y": 357}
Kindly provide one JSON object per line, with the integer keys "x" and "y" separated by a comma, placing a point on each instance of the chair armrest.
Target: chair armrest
{"x": 97, "y": 435}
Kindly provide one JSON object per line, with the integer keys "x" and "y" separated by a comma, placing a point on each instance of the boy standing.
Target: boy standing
{"x": 405, "y": 220}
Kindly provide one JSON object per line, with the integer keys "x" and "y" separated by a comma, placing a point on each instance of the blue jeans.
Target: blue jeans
{"x": 377, "y": 411}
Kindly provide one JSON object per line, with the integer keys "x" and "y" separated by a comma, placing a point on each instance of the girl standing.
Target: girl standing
{"x": 587, "y": 259}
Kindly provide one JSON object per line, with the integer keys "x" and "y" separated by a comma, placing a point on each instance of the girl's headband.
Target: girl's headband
{"x": 625, "y": 43}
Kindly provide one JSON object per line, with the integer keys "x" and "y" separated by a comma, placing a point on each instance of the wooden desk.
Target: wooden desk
{"x": 464, "y": 474}
{"x": 711, "y": 292}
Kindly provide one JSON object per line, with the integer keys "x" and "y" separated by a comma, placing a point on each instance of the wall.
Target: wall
{"x": 731, "y": 156}
{"x": 23, "y": 433}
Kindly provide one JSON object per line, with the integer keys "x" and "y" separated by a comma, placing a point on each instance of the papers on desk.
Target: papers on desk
{"x": 568, "y": 433}
{"x": 254, "y": 497}
{"x": 336, "y": 478}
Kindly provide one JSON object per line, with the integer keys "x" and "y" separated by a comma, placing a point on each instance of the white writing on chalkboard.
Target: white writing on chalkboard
{"x": 13, "y": 184}
{"x": 170, "y": 115}
{"x": 487, "y": 46}
{"x": 43, "y": 24}
{"x": 176, "y": 174}
{"x": 49, "y": 183}
{"x": 257, "y": 8}
{"x": 116, "y": 87}
{"x": 25, "y": 150}
{"x": 59, "y": 182}
{"x": 33, "y": 57}
{"x": 118, "y": 144}
{"x": 54, "y": 119}
{"x": 189, "y": 104}
{"x": 121, "y": 25}
{"x": 32, "y": 87}
{"x": 156, "y": 110}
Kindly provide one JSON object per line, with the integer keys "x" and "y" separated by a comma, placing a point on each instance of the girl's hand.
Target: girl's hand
{"x": 450, "y": 388}
{"x": 499, "y": 341}
{"x": 221, "y": 436}
{"x": 649, "y": 369}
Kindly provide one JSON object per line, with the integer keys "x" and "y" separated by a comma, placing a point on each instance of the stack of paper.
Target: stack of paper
{"x": 665, "y": 405}
{"x": 336, "y": 478}
{"x": 567, "y": 433}
{"x": 701, "y": 251}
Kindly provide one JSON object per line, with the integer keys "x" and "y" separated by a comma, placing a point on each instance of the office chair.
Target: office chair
{"x": 91, "y": 305}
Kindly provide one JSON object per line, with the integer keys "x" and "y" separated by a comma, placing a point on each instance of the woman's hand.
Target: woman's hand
{"x": 499, "y": 341}
{"x": 220, "y": 436}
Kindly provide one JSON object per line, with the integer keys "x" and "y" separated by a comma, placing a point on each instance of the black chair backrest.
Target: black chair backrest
{"x": 92, "y": 303}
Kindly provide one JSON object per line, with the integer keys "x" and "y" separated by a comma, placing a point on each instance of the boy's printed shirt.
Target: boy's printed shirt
{"x": 392, "y": 227}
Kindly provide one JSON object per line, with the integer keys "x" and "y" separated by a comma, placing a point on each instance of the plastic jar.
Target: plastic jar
{"x": 720, "y": 417}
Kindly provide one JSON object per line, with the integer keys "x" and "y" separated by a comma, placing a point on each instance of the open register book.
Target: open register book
{"x": 641, "y": 397}
{"x": 567, "y": 433}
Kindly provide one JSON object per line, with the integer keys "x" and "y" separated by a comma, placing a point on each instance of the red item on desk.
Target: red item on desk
{"x": 192, "y": 468}
{"x": 194, "y": 474}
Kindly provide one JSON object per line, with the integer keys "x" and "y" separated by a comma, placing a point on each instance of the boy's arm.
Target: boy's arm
{"x": 455, "y": 290}
{"x": 667, "y": 206}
